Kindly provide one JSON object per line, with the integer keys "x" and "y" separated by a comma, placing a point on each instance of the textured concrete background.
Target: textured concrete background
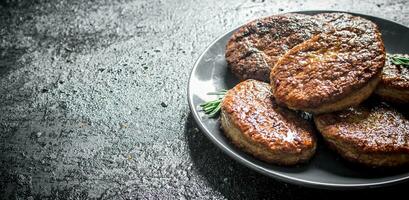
{"x": 93, "y": 100}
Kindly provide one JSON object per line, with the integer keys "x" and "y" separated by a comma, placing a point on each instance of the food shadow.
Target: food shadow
{"x": 9, "y": 58}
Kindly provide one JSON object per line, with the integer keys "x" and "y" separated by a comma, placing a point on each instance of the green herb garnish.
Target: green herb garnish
{"x": 212, "y": 108}
{"x": 398, "y": 60}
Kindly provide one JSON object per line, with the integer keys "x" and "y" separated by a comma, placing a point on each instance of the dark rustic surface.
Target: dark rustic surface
{"x": 93, "y": 100}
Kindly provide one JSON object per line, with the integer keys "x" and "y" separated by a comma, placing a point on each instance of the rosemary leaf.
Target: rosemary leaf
{"x": 212, "y": 108}
{"x": 215, "y": 111}
{"x": 221, "y": 92}
{"x": 397, "y": 60}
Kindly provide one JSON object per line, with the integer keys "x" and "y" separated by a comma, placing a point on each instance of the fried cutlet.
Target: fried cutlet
{"x": 256, "y": 124}
{"x": 333, "y": 70}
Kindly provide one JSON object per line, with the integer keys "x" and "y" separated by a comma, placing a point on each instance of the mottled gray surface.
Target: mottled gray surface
{"x": 93, "y": 100}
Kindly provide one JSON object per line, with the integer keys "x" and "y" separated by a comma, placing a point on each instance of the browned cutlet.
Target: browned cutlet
{"x": 254, "y": 123}
{"x": 373, "y": 134}
{"x": 340, "y": 21}
{"x": 394, "y": 85}
{"x": 255, "y": 47}
{"x": 333, "y": 70}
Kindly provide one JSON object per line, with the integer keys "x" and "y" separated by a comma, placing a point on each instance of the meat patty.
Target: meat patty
{"x": 334, "y": 69}
{"x": 256, "y": 46}
{"x": 254, "y": 123}
{"x": 339, "y": 21}
{"x": 394, "y": 86}
{"x": 373, "y": 134}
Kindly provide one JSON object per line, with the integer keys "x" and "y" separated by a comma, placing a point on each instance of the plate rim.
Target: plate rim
{"x": 260, "y": 169}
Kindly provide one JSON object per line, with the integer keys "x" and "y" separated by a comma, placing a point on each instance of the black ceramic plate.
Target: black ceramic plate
{"x": 326, "y": 169}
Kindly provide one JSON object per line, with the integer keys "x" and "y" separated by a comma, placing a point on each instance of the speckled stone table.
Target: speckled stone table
{"x": 93, "y": 100}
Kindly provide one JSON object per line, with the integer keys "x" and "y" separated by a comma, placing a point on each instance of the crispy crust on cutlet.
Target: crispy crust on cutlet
{"x": 351, "y": 153}
{"x": 255, "y": 47}
{"x": 261, "y": 151}
{"x": 326, "y": 69}
{"x": 373, "y": 134}
{"x": 353, "y": 99}
{"x": 254, "y": 123}
{"x": 394, "y": 85}
{"x": 392, "y": 94}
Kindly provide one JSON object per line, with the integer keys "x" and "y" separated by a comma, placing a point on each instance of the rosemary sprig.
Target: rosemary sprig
{"x": 212, "y": 108}
{"x": 398, "y": 60}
